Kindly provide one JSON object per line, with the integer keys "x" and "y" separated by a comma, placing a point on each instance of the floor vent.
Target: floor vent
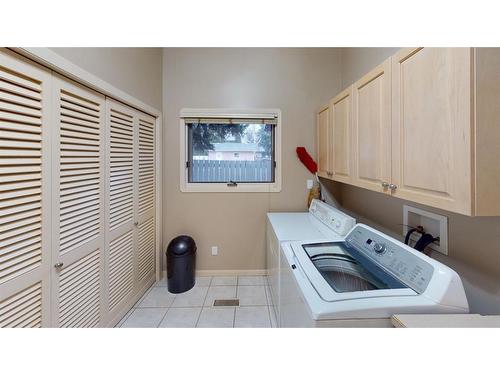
{"x": 227, "y": 302}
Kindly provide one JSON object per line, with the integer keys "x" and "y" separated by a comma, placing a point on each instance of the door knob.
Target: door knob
{"x": 385, "y": 185}
{"x": 59, "y": 265}
{"x": 392, "y": 187}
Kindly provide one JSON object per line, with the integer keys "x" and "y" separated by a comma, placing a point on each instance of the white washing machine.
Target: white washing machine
{"x": 362, "y": 281}
{"x": 321, "y": 223}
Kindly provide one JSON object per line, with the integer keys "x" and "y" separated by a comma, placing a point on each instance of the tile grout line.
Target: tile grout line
{"x": 203, "y": 303}
{"x": 163, "y": 317}
{"x": 135, "y": 306}
{"x": 268, "y": 309}
{"x": 168, "y": 308}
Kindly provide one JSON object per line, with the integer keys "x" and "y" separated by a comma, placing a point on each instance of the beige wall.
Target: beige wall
{"x": 358, "y": 61}
{"x": 137, "y": 71}
{"x": 295, "y": 80}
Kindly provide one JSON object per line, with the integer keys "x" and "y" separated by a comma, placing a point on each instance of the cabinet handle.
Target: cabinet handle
{"x": 385, "y": 185}
{"x": 58, "y": 265}
{"x": 393, "y": 187}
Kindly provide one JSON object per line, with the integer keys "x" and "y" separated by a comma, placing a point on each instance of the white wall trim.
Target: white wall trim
{"x": 59, "y": 64}
{"x": 231, "y": 272}
{"x": 258, "y": 272}
{"x": 186, "y": 187}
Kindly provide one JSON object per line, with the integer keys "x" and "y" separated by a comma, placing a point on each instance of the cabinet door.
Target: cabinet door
{"x": 431, "y": 127}
{"x": 340, "y": 137}
{"x": 25, "y": 188}
{"x": 78, "y": 203}
{"x": 372, "y": 129}
{"x": 146, "y": 201}
{"x": 323, "y": 142}
{"x": 121, "y": 186}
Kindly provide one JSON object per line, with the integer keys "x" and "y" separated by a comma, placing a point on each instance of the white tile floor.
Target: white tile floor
{"x": 194, "y": 308}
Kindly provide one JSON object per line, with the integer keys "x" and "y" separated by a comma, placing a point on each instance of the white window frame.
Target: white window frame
{"x": 257, "y": 187}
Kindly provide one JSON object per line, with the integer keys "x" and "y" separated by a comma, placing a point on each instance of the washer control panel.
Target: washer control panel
{"x": 393, "y": 256}
{"x": 334, "y": 219}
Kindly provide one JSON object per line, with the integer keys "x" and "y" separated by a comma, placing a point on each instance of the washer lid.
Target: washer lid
{"x": 337, "y": 272}
{"x": 345, "y": 270}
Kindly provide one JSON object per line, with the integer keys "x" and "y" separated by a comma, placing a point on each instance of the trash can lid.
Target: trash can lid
{"x": 181, "y": 245}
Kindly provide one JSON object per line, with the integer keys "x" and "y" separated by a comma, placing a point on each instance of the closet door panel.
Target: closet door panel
{"x": 80, "y": 291}
{"x": 146, "y": 198}
{"x": 121, "y": 268}
{"x": 121, "y": 186}
{"x": 23, "y": 309}
{"x": 25, "y": 187}
{"x": 78, "y": 205}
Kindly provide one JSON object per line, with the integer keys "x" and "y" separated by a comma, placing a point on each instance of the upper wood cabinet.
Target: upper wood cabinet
{"x": 371, "y": 132}
{"x": 431, "y": 128}
{"x": 323, "y": 141}
{"x": 425, "y": 129}
{"x": 341, "y": 126}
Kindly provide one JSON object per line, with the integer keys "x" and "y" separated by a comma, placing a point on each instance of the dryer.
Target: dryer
{"x": 322, "y": 223}
{"x": 361, "y": 281}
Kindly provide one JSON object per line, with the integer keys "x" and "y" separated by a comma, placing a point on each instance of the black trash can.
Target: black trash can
{"x": 181, "y": 264}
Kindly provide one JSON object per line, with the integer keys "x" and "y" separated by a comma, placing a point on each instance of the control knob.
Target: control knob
{"x": 379, "y": 248}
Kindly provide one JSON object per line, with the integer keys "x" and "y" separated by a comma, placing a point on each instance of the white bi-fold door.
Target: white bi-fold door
{"x": 77, "y": 201}
{"x": 130, "y": 215}
{"x": 78, "y": 205}
{"x": 25, "y": 192}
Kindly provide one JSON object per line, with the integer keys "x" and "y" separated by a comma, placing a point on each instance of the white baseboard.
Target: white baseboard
{"x": 231, "y": 272}
{"x": 226, "y": 273}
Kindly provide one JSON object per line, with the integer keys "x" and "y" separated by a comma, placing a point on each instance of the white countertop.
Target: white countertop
{"x": 445, "y": 321}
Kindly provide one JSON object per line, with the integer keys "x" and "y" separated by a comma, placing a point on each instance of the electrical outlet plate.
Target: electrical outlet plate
{"x": 215, "y": 250}
{"x": 435, "y": 224}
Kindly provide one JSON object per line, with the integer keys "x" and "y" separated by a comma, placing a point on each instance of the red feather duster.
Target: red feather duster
{"x": 307, "y": 160}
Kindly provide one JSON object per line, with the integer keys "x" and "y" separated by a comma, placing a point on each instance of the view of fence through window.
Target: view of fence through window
{"x": 231, "y": 151}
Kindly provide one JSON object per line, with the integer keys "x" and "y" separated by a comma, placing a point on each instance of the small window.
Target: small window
{"x": 228, "y": 153}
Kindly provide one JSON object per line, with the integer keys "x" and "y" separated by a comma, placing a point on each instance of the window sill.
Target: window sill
{"x": 223, "y": 188}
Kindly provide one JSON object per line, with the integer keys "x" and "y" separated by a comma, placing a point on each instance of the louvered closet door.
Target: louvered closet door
{"x": 146, "y": 201}
{"x": 78, "y": 293}
{"x": 120, "y": 189}
{"x": 25, "y": 184}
